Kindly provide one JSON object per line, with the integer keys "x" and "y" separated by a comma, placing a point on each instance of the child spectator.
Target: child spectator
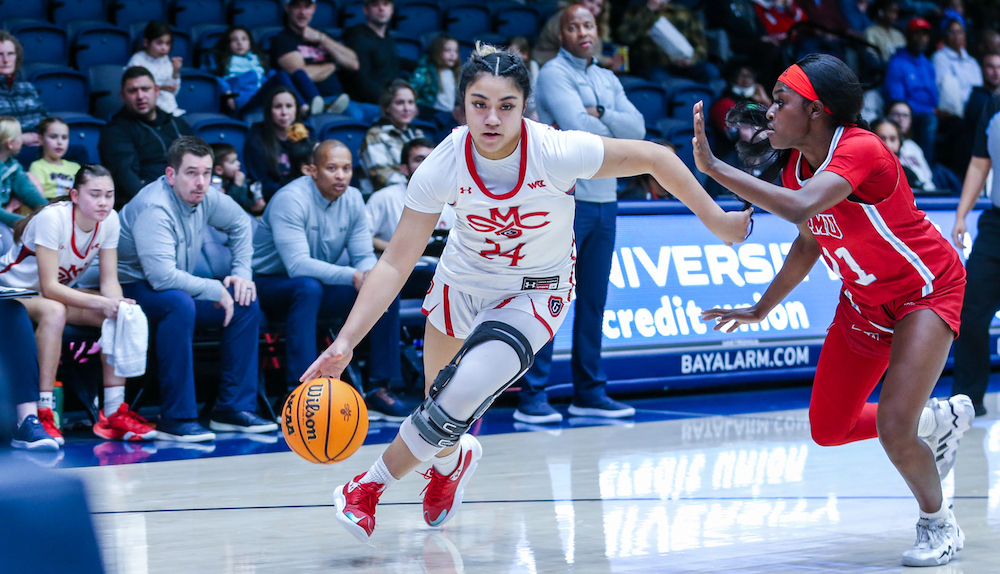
{"x": 382, "y": 149}
{"x": 232, "y": 181}
{"x": 55, "y": 173}
{"x": 157, "y": 42}
{"x": 17, "y": 190}
{"x": 434, "y": 79}
{"x": 274, "y": 142}
{"x": 890, "y": 133}
{"x": 51, "y": 250}
{"x": 246, "y": 78}
{"x": 520, "y": 47}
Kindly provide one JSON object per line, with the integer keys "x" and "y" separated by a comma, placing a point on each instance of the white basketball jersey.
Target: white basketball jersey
{"x": 519, "y": 237}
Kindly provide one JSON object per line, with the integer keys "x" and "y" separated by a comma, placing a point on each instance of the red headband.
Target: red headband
{"x": 799, "y": 82}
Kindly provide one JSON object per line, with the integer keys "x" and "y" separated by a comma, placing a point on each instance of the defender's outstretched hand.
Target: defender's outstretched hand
{"x": 736, "y": 317}
{"x": 331, "y": 363}
{"x": 704, "y": 159}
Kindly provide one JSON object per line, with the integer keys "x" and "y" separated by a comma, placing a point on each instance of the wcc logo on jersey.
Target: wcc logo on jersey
{"x": 510, "y": 224}
{"x": 825, "y": 224}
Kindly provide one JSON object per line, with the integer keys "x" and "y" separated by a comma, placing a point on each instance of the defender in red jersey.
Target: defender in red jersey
{"x": 903, "y": 284}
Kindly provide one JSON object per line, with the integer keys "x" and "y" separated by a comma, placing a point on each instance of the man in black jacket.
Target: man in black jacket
{"x": 133, "y": 146}
{"x": 376, "y": 51}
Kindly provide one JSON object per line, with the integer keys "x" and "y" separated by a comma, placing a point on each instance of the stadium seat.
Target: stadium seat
{"x": 684, "y": 94}
{"x": 6, "y": 238}
{"x": 262, "y": 36}
{"x": 62, "y": 12}
{"x": 348, "y": 130}
{"x": 429, "y": 127}
{"x": 649, "y": 98}
{"x": 216, "y": 128}
{"x": 409, "y": 49}
{"x": 679, "y": 133}
{"x": 62, "y": 89}
{"x": 200, "y": 92}
{"x": 466, "y": 20}
{"x": 85, "y": 130}
{"x": 33, "y": 9}
{"x": 124, "y": 12}
{"x": 187, "y": 13}
{"x": 105, "y": 82}
{"x": 93, "y": 43}
{"x": 204, "y": 37}
{"x": 515, "y": 20}
{"x": 326, "y": 15}
{"x": 253, "y": 13}
{"x": 42, "y": 42}
{"x": 352, "y": 13}
{"x": 415, "y": 18}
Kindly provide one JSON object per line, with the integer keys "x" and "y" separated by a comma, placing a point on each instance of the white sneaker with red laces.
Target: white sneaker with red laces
{"x": 356, "y": 506}
{"x": 443, "y": 494}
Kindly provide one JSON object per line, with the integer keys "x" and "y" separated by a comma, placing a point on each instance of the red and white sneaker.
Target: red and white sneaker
{"x": 124, "y": 425}
{"x": 356, "y": 506}
{"x": 48, "y": 420}
{"x": 443, "y": 494}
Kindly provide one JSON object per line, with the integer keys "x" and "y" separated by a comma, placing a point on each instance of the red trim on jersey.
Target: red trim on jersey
{"x": 504, "y": 303}
{"x": 24, "y": 254}
{"x": 539, "y": 317}
{"x": 72, "y": 239}
{"x": 447, "y": 314}
{"x": 470, "y": 161}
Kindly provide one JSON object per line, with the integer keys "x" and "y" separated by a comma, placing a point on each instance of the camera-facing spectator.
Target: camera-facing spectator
{"x": 883, "y": 33}
{"x": 18, "y": 99}
{"x": 956, "y": 71}
{"x": 274, "y": 143}
{"x": 383, "y": 145}
{"x": 547, "y": 45}
{"x": 229, "y": 178}
{"x": 378, "y": 63}
{"x": 892, "y": 135}
{"x": 157, "y": 41}
{"x": 435, "y": 77}
{"x": 52, "y": 171}
{"x": 910, "y": 154}
{"x": 17, "y": 190}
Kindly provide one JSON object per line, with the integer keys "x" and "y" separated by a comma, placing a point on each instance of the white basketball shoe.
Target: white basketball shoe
{"x": 937, "y": 542}
{"x": 952, "y": 418}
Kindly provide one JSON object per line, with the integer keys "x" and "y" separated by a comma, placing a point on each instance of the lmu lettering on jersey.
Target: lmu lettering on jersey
{"x": 825, "y": 224}
{"x": 510, "y": 225}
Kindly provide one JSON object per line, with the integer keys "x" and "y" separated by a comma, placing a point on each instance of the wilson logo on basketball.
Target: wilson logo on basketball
{"x": 510, "y": 224}
{"x": 346, "y": 411}
{"x": 313, "y": 395}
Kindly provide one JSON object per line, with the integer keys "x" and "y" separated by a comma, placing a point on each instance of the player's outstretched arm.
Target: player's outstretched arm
{"x": 818, "y": 194}
{"x": 380, "y": 287}
{"x": 626, "y": 158}
{"x": 801, "y": 258}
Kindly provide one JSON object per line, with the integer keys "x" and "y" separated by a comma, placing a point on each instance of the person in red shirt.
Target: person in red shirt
{"x": 903, "y": 284}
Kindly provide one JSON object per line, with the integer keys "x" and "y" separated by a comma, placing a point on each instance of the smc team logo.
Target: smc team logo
{"x": 510, "y": 224}
{"x": 555, "y": 306}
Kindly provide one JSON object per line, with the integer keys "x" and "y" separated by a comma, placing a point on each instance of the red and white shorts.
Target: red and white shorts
{"x": 456, "y": 314}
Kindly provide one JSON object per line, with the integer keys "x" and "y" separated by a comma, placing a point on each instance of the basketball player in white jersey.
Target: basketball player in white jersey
{"x": 51, "y": 251}
{"x": 504, "y": 280}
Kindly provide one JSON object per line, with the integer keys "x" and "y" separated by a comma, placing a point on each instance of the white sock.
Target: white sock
{"x": 46, "y": 400}
{"x": 24, "y": 410}
{"x": 941, "y": 513}
{"x": 379, "y": 473}
{"x": 446, "y": 465}
{"x": 113, "y": 398}
{"x": 927, "y": 424}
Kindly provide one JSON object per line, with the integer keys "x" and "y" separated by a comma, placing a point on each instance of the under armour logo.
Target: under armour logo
{"x": 462, "y": 190}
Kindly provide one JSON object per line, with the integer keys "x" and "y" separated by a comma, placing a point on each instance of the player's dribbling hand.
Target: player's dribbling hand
{"x": 735, "y": 226}
{"x": 729, "y": 320}
{"x": 704, "y": 159}
{"x": 958, "y": 234}
{"x": 331, "y": 363}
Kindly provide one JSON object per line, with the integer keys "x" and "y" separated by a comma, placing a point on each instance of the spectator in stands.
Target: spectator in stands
{"x": 978, "y": 99}
{"x": 910, "y": 77}
{"x": 577, "y": 94}
{"x": 19, "y": 374}
{"x": 890, "y": 133}
{"x": 230, "y": 179}
{"x": 134, "y": 143}
{"x": 18, "y": 99}
{"x": 547, "y": 45}
{"x": 910, "y": 154}
{"x": 307, "y": 228}
{"x": 434, "y": 79}
{"x": 246, "y": 80}
{"x": 17, "y": 190}
{"x": 856, "y": 14}
{"x": 275, "y": 142}
{"x": 520, "y": 47}
{"x": 826, "y": 13}
{"x": 51, "y": 250}
{"x": 157, "y": 41}
{"x": 300, "y": 47}
{"x": 383, "y": 145}
{"x": 378, "y": 63}
{"x": 648, "y": 59}
{"x": 52, "y": 171}
{"x": 989, "y": 42}
{"x": 883, "y": 33}
{"x": 956, "y": 71}
{"x": 162, "y": 231}
{"x": 741, "y": 86}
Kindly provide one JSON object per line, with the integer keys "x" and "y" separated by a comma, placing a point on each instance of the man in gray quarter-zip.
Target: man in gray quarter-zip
{"x": 161, "y": 237}
{"x": 574, "y": 93}
{"x": 312, "y": 253}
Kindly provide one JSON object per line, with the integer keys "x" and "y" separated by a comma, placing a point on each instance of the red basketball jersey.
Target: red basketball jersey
{"x": 876, "y": 240}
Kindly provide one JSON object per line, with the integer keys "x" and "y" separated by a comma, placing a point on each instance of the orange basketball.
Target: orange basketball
{"x": 324, "y": 420}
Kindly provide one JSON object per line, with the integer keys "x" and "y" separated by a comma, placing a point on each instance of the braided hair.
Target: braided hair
{"x": 490, "y": 60}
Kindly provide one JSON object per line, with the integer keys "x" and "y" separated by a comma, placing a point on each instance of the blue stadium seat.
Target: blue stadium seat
{"x": 200, "y": 92}
{"x": 684, "y": 94}
{"x": 105, "y": 82}
{"x": 6, "y": 238}
{"x": 515, "y": 20}
{"x": 95, "y": 43}
{"x": 203, "y": 40}
{"x": 42, "y": 42}
{"x": 187, "y": 13}
{"x": 84, "y": 130}
{"x": 326, "y": 15}
{"x": 466, "y": 20}
{"x": 262, "y": 36}
{"x": 348, "y": 130}
{"x": 253, "y": 13}
{"x": 415, "y": 18}
{"x": 649, "y": 98}
{"x": 32, "y": 9}
{"x": 65, "y": 11}
{"x": 429, "y": 127}
{"x": 215, "y": 128}
{"x": 61, "y": 89}
{"x": 679, "y": 132}
{"x": 352, "y": 13}
{"x": 409, "y": 49}
{"x": 124, "y": 12}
